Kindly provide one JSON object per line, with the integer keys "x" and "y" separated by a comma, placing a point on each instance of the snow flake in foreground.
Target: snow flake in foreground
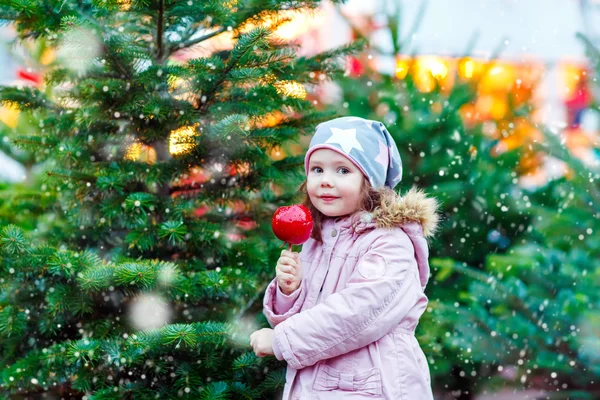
{"x": 149, "y": 311}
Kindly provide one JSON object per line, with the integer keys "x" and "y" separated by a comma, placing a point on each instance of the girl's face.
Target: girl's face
{"x": 334, "y": 183}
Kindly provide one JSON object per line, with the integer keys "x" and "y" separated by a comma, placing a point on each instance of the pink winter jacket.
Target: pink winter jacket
{"x": 348, "y": 331}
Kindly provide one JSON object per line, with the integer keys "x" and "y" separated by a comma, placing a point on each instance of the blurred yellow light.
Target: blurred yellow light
{"x": 571, "y": 76}
{"x": 9, "y": 115}
{"x": 133, "y": 151}
{"x": 496, "y": 70}
{"x": 268, "y": 79}
{"x": 269, "y": 120}
{"x": 231, "y": 4}
{"x": 298, "y": 22}
{"x": 124, "y": 5}
{"x": 141, "y": 152}
{"x": 402, "y": 66}
{"x": 181, "y": 140}
{"x": 429, "y": 71}
{"x": 499, "y": 108}
{"x": 435, "y": 65}
{"x": 290, "y": 89}
{"x": 48, "y": 56}
{"x": 424, "y": 81}
{"x": 469, "y": 68}
{"x": 466, "y": 68}
{"x": 499, "y": 78}
{"x": 277, "y": 153}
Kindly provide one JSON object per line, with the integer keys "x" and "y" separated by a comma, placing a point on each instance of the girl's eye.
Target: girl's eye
{"x": 343, "y": 169}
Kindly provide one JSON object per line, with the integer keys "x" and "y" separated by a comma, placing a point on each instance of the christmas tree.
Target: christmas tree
{"x": 532, "y": 315}
{"x": 156, "y": 130}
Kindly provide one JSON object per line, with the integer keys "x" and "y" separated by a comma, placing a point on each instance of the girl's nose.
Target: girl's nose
{"x": 325, "y": 181}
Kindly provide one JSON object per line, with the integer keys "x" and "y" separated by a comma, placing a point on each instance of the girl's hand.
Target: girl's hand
{"x": 288, "y": 272}
{"x": 262, "y": 342}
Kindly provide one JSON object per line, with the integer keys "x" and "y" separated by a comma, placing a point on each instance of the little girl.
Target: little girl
{"x": 344, "y": 311}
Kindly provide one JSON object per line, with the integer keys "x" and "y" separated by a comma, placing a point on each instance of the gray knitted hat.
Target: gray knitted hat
{"x": 366, "y": 143}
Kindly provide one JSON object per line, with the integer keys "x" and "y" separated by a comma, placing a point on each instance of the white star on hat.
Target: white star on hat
{"x": 383, "y": 158}
{"x": 345, "y": 138}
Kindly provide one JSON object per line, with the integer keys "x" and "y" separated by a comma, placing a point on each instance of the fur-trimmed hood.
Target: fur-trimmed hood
{"x": 414, "y": 206}
{"x": 397, "y": 211}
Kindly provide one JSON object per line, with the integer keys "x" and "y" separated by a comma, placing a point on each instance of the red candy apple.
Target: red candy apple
{"x": 292, "y": 224}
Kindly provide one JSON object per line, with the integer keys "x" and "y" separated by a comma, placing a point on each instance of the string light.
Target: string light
{"x": 286, "y": 24}
{"x": 269, "y": 120}
{"x": 141, "y": 152}
{"x": 124, "y": 5}
{"x": 231, "y": 4}
{"x": 286, "y": 88}
{"x": 133, "y": 152}
{"x": 181, "y": 140}
{"x": 290, "y": 89}
{"x": 277, "y": 153}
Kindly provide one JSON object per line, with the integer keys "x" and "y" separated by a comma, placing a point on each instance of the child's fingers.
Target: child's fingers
{"x": 288, "y": 269}
{"x": 286, "y": 253}
{"x": 291, "y": 254}
{"x": 285, "y": 278}
{"x": 296, "y": 259}
{"x": 288, "y": 261}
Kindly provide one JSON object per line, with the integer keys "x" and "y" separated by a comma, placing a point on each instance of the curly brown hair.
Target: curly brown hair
{"x": 370, "y": 200}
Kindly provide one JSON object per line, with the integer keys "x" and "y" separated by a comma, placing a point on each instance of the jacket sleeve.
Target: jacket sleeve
{"x": 380, "y": 292}
{"x": 278, "y": 307}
